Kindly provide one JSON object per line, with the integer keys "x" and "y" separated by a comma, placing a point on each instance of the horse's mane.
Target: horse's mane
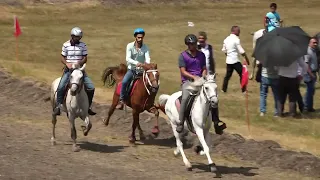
{"x": 151, "y": 66}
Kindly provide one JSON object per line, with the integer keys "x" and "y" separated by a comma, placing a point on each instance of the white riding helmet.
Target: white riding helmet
{"x": 76, "y": 31}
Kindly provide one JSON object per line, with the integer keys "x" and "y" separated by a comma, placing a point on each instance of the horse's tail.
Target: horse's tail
{"x": 163, "y": 98}
{"x": 111, "y": 74}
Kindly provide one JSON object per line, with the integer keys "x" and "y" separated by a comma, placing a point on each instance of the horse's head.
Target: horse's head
{"x": 210, "y": 89}
{"x": 76, "y": 79}
{"x": 151, "y": 76}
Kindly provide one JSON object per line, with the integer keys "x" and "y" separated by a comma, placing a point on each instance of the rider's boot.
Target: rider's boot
{"x": 180, "y": 126}
{"x": 219, "y": 126}
{"x": 56, "y": 110}
{"x": 90, "y": 94}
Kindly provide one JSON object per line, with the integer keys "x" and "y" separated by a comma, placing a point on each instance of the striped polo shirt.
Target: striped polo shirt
{"x": 74, "y": 52}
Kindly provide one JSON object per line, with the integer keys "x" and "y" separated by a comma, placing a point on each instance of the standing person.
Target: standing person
{"x": 269, "y": 78}
{"x": 312, "y": 61}
{"x": 272, "y": 19}
{"x": 192, "y": 65}
{"x": 74, "y": 51}
{"x": 299, "y": 97}
{"x": 211, "y": 69}
{"x": 288, "y": 85}
{"x": 208, "y": 52}
{"x": 232, "y": 48}
{"x": 137, "y": 53}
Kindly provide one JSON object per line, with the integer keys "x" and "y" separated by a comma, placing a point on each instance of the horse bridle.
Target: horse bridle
{"x": 145, "y": 76}
{"x": 78, "y": 85}
{"x": 204, "y": 92}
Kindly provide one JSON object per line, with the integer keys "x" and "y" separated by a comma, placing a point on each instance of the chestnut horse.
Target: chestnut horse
{"x": 141, "y": 96}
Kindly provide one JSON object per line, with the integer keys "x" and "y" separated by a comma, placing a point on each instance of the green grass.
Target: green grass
{"x": 107, "y": 30}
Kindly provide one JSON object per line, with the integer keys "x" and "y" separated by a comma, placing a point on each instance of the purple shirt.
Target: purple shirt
{"x": 193, "y": 65}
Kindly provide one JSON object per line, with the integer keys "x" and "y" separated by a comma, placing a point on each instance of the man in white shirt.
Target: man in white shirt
{"x": 73, "y": 52}
{"x": 232, "y": 48}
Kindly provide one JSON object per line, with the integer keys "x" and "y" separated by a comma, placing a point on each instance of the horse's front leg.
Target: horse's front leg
{"x": 75, "y": 147}
{"x": 54, "y": 122}
{"x": 180, "y": 148}
{"x": 200, "y": 134}
{"x": 135, "y": 122}
{"x": 113, "y": 106}
{"x": 88, "y": 125}
{"x": 155, "y": 130}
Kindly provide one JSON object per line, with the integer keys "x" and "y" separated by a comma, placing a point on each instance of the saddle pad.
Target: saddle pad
{"x": 130, "y": 88}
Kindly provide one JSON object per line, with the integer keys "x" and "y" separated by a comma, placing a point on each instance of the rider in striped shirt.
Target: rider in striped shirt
{"x": 73, "y": 51}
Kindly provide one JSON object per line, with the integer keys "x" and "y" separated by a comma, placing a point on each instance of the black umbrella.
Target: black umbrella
{"x": 282, "y": 46}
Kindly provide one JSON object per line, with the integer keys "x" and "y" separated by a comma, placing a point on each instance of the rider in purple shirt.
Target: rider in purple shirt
{"x": 192, "y": 64}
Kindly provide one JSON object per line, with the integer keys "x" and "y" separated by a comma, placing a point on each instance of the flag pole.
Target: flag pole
{"x": 17, "y": 49}
{"x": 244, "y": 83}
{"x": 247, "y": 111}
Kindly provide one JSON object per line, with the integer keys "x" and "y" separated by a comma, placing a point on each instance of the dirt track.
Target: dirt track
{"x": 26, "y": 151}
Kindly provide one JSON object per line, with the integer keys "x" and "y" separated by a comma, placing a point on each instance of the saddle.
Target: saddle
{"x": 131, "y": 86}
{"x": 187, "y": 112}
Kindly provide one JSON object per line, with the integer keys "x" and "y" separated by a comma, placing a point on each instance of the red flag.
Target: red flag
{"x": 245, "y": 76}
{"x": 17, "y": 29}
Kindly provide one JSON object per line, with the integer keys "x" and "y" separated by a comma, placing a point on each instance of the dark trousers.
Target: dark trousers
{"x": 290, "y": 87}
{"x": 230, "y": 67}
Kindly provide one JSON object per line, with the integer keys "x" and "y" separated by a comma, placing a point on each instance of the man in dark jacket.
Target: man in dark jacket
{"x": 211, "y": 69}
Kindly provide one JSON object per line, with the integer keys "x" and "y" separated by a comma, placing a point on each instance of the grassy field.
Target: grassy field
{"x": 107, "y": 30}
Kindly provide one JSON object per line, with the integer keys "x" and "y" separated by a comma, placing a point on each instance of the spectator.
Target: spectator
{"x": 311, "y": 60}
{"x": 269, "y": 78}
{"x": 288, "y": 85}
{"x": 232, "y": 48}
{"x": 208, "y": 52}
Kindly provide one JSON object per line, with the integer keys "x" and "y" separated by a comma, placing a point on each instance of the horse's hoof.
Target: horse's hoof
{"x": 132, "y": 140}
{"x": 53, "y": 143}
{"x": 213, "y": 169}
{"x": 198, "y": 149}
{"x": 105, "y": 122}
{"x": 189, "y": 168}
{"x": 176, "y": 153}
{"x": 86, "y": 130}
{"x": 76, "y": 148}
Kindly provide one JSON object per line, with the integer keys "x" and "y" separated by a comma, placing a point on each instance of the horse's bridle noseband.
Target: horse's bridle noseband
{"x": 204, "y": 92}
{"x": 78, "y": 85}
{"x": 145, "y": 76}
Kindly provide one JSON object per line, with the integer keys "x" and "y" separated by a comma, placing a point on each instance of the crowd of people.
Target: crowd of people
{"x": 198, "y": 60}
{"x": 284, "y": 81}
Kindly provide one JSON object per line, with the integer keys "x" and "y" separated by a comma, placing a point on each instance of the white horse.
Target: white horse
{"x": 255, "y": 35}
{"x": 206, "y": 96}
{"x": 76, "y": 104}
